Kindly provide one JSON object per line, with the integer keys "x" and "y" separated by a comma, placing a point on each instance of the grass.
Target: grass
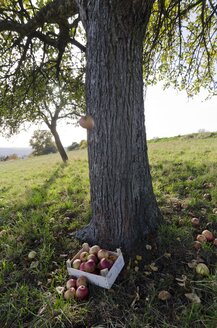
{"x": 42, "y": 202}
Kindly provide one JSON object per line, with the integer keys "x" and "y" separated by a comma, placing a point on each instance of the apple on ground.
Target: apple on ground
{"x": 201, "y": 238}
{"x": 82, "y": 280}
{"x": 70, "y": 293}
{"x": 197, "y": 244}
{"x": 195, "y": 222}
{"x": 208, "y": 234}
{"x": 82, "y": 292}
{"x": 71, "y": 283}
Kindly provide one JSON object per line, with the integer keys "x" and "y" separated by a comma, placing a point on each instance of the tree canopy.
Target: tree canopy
{"x": 42, "y": 143}
{"x": 180, "y": 44}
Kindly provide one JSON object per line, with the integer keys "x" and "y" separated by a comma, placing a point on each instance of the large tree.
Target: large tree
{"x": 173, "y": 40}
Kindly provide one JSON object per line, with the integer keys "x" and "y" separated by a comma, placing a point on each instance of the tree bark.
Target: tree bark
{"x": 58, "y": 143}
{"x": 124, "y": 208}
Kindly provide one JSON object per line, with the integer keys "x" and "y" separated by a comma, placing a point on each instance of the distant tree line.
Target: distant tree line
{"x": 42, "y": 143}
{"x": 75, "y": 145}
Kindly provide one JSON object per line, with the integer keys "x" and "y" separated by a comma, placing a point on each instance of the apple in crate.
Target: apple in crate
{"x": 102, "y": 253}
{"x": 94, "y": 249}
{"x": 113, "y": 257}
{"x": 81, "y": 281}
{"x": 82, "y": 293}
{"x": 92, "y": 257}
{"x": 105, "y": 264}
{"x": 89, "y": 266}
{"x": 85, "y": 247}
{"x": 76, "y": 264}
{"x": 82, "y": 266}
{"x": 71, "y": 283}
{"x": 84, "y": 256}
{"x": 103, "y": 272}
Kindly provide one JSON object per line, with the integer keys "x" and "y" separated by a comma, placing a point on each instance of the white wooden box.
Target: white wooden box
{"x": 105, "y": 282}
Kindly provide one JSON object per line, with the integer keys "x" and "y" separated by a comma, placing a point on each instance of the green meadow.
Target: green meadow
{"x": 43, "y": 202}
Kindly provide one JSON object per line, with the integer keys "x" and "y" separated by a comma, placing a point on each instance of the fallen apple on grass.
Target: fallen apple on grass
{"x": 82, "y": 280}
{"x": 201, "y": 238}
{"x": 197, "y": 245}
{"x": 70, "y": 293}
{"x": 202, "y": 269}
{"x": 195, "y": 222}
{"x": 82, "y": 293}
{"x": 71, "y": 283}
{"x": 208, "y": 235}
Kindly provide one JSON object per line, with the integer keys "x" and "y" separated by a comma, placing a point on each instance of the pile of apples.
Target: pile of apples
{"x": 77, "y": 289}
{"x": 94, "y": 260}
{"x": 205, "y": 236}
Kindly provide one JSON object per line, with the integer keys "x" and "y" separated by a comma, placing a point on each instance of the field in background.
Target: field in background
{"x": 42, "y": 204}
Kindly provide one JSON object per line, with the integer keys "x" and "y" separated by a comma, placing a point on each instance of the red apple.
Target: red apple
{"x": 89, "y": 266}
{"x": 105, "y": 264}
{"x": 83, "y": 256}
{"x": 70, "y": 293}
{"x": 82, "y": 266}
{"x": 92, "y": 257}
{"x": 195, "y": 222}
{"x": 76, "y": 264}
{"x": 71, "y": 283}
{"x": 208, "y": 234}
{"x": 82, "y": 280}
{"x": 102, "y": 253}
{"x": 82, "y": 293}
{"x": 201, "y": 238}
{"x": 94, "y": 249}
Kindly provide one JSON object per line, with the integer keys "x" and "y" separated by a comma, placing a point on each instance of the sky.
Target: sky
{"x": 167, "y": 113}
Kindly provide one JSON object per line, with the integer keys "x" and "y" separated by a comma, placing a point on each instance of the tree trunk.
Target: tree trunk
{"x": 124, "y": 208}
{"x": 58, "y": 143}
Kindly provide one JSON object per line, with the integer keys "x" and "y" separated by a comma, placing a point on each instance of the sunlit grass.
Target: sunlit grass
{"x": 43, "y": 202}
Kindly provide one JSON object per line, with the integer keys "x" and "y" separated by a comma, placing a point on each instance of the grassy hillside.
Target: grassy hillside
{"x": 42, "y": 202}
